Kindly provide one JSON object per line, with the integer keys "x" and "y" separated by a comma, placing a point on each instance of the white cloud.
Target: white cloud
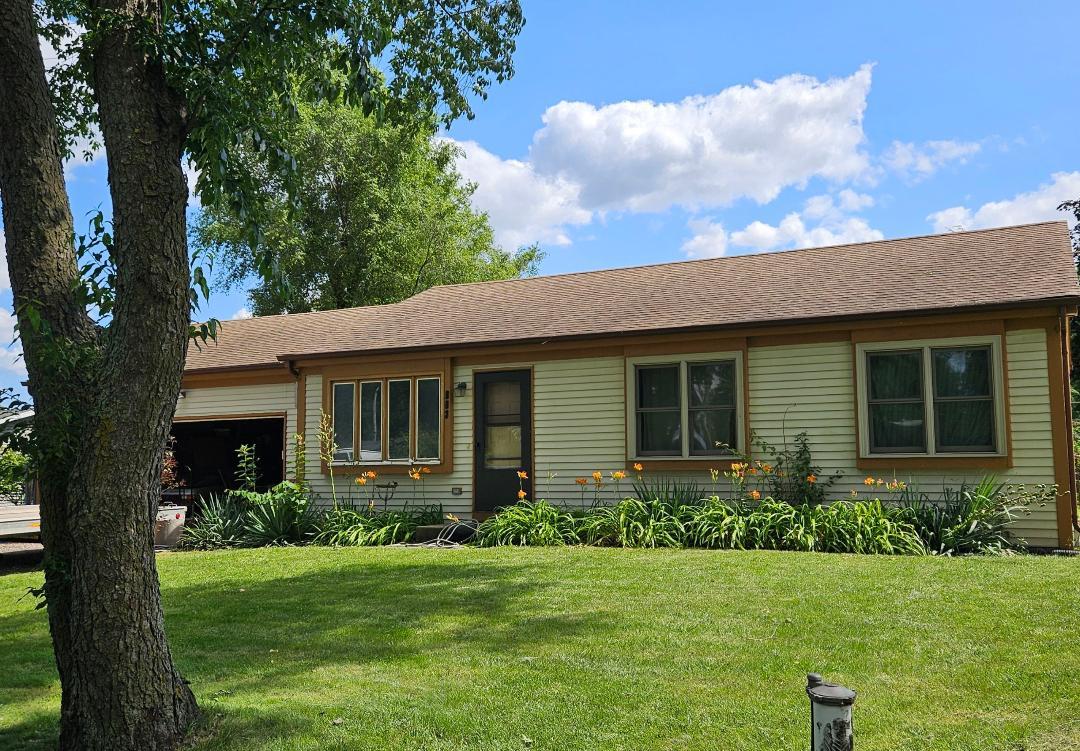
{"x": 1035, "y": 206}
{"x": 792, "y": 232}
{"x": 704, "y": 151}
{"x": 241, "y": 315}
{"x": 11, "y": 360}
{"x": 5, "y": 279}
{"x": 709, "y": 241}
{"x": 746, "y": 141}
{"x": 192, "y": 175}
{"x": 917, "y": 161}
{"x": 524, "y": 207}
{"x": 834, "y": 226}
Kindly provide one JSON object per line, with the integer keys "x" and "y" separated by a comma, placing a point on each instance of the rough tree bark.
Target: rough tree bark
{"x": 104, "y": 397}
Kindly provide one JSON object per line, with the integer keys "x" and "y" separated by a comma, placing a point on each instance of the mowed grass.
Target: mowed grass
{"x": 586, "y": 648}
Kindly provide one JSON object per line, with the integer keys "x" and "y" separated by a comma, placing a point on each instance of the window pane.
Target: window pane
{"x": 428, "y": 412}
{"x": 966, "y": 425}
{"x": 712, "y": 384}
{"x": 502, "y": 447}
{"x": 502, "y": 401}
{"x": 398, "y": 420}
{"x": 343, "y": 421}
{"x": 658, "y": 387}
{"x": 371, "y": 421}
{"x": 894, "y": 375}
{"x": 897, "y": 427}
{"x": 710, "y": 426}
{"x": 962, "y": 372}
{"x": 659, "y": 433}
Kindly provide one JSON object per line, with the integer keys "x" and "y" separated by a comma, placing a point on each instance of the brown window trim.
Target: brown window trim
{"x": 938, "y": 462}
{"x": 934, "y": 462}
{"x": 428, "y": 368}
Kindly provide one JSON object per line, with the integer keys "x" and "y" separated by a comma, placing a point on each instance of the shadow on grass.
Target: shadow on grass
{"x": 250, "y": 637}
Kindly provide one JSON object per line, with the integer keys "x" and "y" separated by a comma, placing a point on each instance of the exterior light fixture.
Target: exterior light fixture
{"x": 830, "y": 715}
{"x": 460, "y": 388}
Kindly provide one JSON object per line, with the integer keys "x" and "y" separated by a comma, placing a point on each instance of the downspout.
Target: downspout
{"x": 1066, "y": 361}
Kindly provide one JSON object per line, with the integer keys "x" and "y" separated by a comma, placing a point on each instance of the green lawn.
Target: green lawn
{"x": 587, "y": 648}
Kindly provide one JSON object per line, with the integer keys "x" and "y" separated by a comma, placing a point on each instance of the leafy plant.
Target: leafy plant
{"x": 973, "y": 518}
{"x": 219, "y": 524}
{"x": 347, "y": 526}
{"x": 794, "y": 476}
{"x": 247, "y": 467}
{"x": 13, "y": 471}
{"x": 634, "y": 523}
{"x": 673, "y": 491}
{"x": 528, "y": 523}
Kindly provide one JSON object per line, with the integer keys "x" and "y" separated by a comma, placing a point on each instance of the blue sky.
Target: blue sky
{"x": 641, "y": 132}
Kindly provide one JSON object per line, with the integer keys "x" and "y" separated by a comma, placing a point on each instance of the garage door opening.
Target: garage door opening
{"x": 205, "y": 453}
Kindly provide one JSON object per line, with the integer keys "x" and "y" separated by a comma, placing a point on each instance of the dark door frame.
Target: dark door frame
{"x": 529, "y": 444}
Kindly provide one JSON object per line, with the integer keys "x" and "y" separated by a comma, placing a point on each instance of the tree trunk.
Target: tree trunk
{"x": 104, "y": 400}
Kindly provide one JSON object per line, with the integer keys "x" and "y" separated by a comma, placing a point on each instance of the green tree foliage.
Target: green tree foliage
{"x": 105, "y": 325}
{"x": 380, "y": 214}
{"x": 13, "y": 471}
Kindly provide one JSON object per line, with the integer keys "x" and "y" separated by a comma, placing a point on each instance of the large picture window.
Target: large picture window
{"x": 684, "y": 408}
{"x": 935, "y": 398}
{"x": 395, "y": 420}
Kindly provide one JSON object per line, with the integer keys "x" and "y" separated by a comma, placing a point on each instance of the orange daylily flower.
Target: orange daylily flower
{"x": 414, "y": 474}
{"x": 581, "y": 481}
{"x": 521, "y": 495}
{"x": 597, "y": 476}
{"x": 638, "y": 467}
{"x": 522, "y": 475}
{"x": 869, "y": 481}
{"x": 811, "y": 479}
{"x": 371, "y": 474}
{"x": 618, "y": 475}
{"x": 755, "y": 494}
{"x": 361, "y": 480}
{"x": 426, "y": 470}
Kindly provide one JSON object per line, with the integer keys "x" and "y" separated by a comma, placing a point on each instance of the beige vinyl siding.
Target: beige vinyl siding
{"x": 810, "y": 388}
{"x": 242, "y": 400}
{"x": 579, "y": 415}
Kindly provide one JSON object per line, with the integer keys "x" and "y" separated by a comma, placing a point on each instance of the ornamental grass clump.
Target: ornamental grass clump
{"x": 346, "y": 526}
{"x": 634, "y": 523}
{"x": 973, "y": 519}
{"x": 534, "y": 523}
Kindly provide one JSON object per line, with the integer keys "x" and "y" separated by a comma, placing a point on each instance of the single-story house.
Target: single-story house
{"x": 935, "y": 360}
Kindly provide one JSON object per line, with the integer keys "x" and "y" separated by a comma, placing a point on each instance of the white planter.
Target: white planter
{"x": 169, "y": 525}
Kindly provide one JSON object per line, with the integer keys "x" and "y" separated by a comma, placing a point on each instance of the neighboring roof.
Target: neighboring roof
{"x": 1010, "y": 266}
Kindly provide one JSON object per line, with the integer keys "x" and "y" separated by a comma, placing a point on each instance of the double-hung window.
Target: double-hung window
{"x": 684, "y": 407}
{"x": 941, "y": 397}
{"x": 389, "y": 420}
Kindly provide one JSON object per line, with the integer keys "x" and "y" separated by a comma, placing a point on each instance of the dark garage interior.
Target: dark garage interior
{"x": 205, "y": 452}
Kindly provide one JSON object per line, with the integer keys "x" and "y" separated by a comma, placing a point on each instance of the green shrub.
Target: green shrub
{"x": 671, "y": 491}
{"x": 243, "y": 518}
{"x": 634, "y": 523}
{"x": 281, "y": 516}
{"x": 13, "y": 471}
{"x": 351, "y": 526}
{"x": 973, "y": 518}
{"x": 716, "y": 524}
{"x": 529, "y": 523}
{"x": 219, "y": 524}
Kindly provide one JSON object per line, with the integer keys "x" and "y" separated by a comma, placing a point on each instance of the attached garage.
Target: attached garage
{"x": 205, "y": 451}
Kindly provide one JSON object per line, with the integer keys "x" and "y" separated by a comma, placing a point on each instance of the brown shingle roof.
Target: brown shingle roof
{"x": 997, "y": 267}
